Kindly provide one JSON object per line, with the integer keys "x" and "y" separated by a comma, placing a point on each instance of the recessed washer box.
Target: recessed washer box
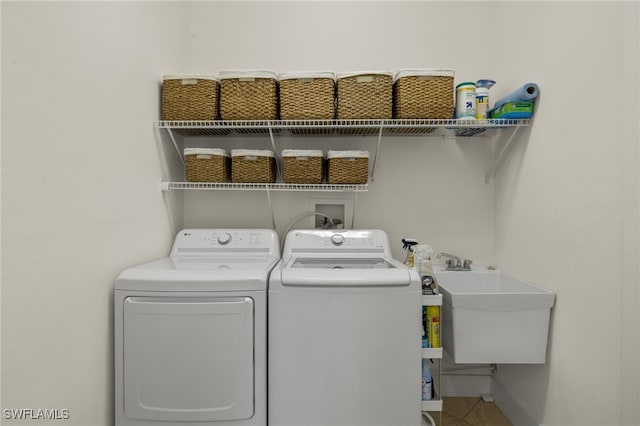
{"x": 492, "y": 318}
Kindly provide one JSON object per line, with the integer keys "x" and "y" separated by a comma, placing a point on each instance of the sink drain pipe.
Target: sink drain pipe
{"x": 471, "y": 370}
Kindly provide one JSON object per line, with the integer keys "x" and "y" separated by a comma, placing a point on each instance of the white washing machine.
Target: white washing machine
{"x": 344, "y": 333}
{"x": 190, "y": 332}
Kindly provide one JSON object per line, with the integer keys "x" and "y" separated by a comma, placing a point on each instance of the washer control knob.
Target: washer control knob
{"x": 224, "y": 238}
{"x": 337, "y": 239}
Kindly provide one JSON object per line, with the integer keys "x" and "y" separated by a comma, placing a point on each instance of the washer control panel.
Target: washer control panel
{"x": 319, "y": 241}
{"x": 198, "y": 242}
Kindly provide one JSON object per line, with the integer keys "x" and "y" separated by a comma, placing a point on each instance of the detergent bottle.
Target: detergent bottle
{"x": 424, "y": 267}
{"x": 433, "y": 326}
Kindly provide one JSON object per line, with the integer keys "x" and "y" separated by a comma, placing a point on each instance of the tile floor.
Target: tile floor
{"x": 465, "y": 411}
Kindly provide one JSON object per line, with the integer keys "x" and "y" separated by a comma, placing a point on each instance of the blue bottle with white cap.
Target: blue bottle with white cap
{"x": 482, "y": 98}
{"x": 427, "y": 381}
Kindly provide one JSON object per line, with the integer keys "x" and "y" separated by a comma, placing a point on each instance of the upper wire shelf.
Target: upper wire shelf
{"x": 166, "y": 186}
{"x": 407, "y": 127}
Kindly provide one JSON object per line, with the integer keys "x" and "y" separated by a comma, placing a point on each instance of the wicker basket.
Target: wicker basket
{"x": 347, "y": 167}
{"x": 253, "y": 166}
{"x": 423, "y": 94}
{"x": 307, "y": 96}
{"x": 365, "y": 95}
{"x": 302, "y": 166}
{"x": 248, "y": 95}
{"x": 189, "y": 97}
{"x": 206, "y": 165}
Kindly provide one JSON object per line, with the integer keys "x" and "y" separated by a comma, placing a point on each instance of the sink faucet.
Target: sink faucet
{"x": 454, "y": 263}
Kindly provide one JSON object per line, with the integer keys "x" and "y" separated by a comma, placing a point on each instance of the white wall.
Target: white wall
{"x": 80, "y": 199}
{"x": 81, "y": 164}
{"x": 630, "y": 357}
{"x": 561, "y": 208}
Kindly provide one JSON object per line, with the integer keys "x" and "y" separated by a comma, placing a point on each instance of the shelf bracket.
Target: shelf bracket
{"x": 375, "y": 154}
{"x": 273, "y": 218}
{"x": 500, "y": 157}
{"x": 353, "y": 210}
{"x": 273, "y": 146}
{"x": 175, "y": 145}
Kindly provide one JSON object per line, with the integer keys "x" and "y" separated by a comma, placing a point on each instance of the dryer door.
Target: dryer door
{"x": 188, "y": 359}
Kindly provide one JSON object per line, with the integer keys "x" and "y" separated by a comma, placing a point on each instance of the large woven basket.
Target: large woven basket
{"x": 347, "y": 167}
{"x": 248, "y": 95}
{"x": 189, "y": 97}
{"x": 307, "y": 96}
{"x": 303, "y": 166}
{"x": 253, "y": 166}
{"x": 365, "y": 95}
{"x": 423, "y": 94}
{"x": 206, "y": 165}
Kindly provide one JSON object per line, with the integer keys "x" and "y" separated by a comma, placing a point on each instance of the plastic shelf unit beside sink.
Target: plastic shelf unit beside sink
{"x": 493, "y": 318}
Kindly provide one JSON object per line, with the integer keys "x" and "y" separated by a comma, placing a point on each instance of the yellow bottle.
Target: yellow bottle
{"x": 433, "y": 326}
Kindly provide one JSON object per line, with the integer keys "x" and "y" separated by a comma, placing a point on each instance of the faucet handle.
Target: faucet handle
{"x": 467, "y": 264}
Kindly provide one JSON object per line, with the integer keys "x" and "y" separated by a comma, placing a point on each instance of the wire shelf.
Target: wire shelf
{"x": 272, "y": 128}
{"x": 207, "y": 186}
{"x": 462, "y": 128}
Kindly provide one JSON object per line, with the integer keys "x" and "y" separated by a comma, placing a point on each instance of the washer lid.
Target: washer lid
{"x": 345, "y": 271}
{"x": 340, "y": 263}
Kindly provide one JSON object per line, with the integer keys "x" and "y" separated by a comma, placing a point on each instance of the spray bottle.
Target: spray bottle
{"x": 482, "y": 98}
{"x": 408, "y": 244}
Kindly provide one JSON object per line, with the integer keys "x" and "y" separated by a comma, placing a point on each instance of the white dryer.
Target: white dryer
{"x": 344, "y": 333}
{"x": 190, "y": 332}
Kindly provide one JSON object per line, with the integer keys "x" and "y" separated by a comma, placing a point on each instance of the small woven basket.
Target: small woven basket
{"x": 423, "y": 94}
{"x": 303, "y": 166}
{"x": 366, "y": 95}
{"x": 248, "y": 95}
{"x": 253, "y": 166}
{"x": 307, "y": 96}
{"x": 206, "y": 165}
{"x": 189, "y": 97}
{"x": 347, "y": 167}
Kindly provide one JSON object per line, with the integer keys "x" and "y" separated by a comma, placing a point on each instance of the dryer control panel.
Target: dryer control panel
{"x": 200, "y": 242}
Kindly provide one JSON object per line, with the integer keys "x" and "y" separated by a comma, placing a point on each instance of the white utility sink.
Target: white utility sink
{"x": 492, "y": 318}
